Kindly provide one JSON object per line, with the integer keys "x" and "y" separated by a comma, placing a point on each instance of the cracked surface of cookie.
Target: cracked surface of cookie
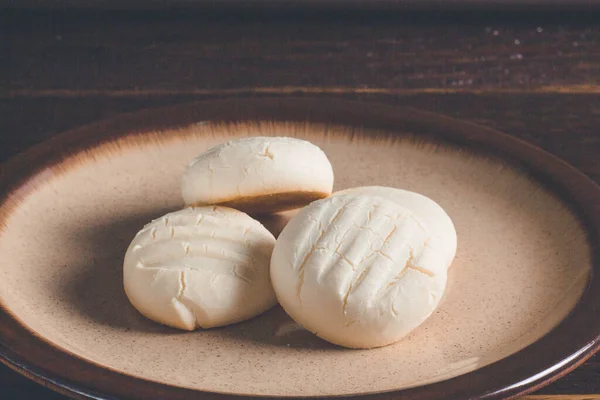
{"x": 358, "y": 271}
{"x": 428, "y": 211}
{"x": 200, "y": 267}
{"x": 258, "y": 174}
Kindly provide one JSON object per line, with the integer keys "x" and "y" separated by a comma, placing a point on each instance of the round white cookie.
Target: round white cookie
{"x": 259, "y": 174}
{"x": 200, "y": 267}
{"x": 431, "y": 213}
{"x": 358, "y": 271}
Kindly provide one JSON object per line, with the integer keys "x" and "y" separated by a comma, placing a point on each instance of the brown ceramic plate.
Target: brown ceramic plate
{"x": 521, "y": 307}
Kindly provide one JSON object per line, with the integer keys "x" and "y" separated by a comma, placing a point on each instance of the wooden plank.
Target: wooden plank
{"x": 307, "y": 4}
{"x": 197, "y": 54}
{"x": 562, "y": 397}
{"x": 293, "y": 90}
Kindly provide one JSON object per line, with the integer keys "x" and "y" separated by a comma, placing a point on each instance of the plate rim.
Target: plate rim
{"x": 577, "y": 337}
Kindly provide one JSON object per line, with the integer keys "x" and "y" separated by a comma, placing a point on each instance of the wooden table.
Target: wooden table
{"x": 531, "y": 75}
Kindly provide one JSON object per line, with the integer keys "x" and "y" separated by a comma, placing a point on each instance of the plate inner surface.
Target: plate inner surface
{"x": 522, "y": 264}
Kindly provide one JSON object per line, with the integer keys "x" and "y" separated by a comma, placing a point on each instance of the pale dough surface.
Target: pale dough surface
{"x": 200, "y": 267}
{"x": 256, "y": 167}
{"x": 359, "y": 271}
{"x": 431, "y": 213}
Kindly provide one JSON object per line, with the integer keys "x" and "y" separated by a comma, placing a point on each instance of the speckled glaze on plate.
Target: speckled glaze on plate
{"x": 516, "y": 313}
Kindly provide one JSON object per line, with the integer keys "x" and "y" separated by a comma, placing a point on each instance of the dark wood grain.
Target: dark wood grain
{"x": 422, "y": 5}
{"x": 83, "y": 55}
{"x": 533, "y": 76}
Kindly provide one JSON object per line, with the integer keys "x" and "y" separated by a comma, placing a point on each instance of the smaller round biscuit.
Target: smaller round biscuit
{"x": 258, "y": 175}
{"x": 358, "y": 271}
{"x": 431, "y": 213}
{"x": 200, "y": 267}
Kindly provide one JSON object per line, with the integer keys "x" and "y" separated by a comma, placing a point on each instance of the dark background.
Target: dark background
{"x": 534, "y": 75}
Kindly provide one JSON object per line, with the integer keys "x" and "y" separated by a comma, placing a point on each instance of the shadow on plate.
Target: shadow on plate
{"x": 275, "y": 328}
{"x": 95, "y": 287}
